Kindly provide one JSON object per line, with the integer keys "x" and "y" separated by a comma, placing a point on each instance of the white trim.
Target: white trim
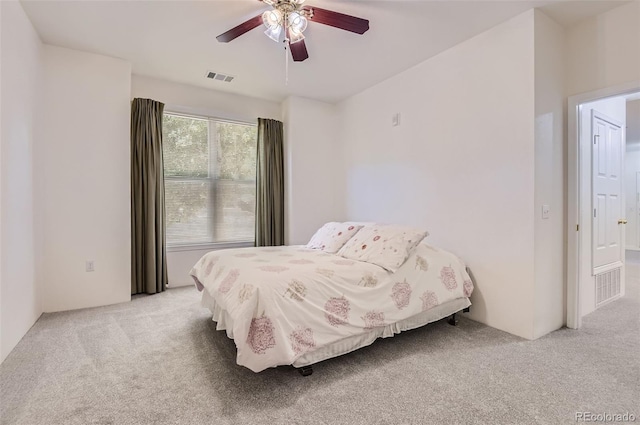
{"x": 213, "y": 114}
{"x": 574, "y": 256}
{"x": 615, "y": 297}
{"x": 607, "y": 267}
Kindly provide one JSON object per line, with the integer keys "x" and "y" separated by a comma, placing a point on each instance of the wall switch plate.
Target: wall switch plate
{"x": 545, "y": 211}
{"x": 395, "y": 120}
{"x": 90, "y": 266}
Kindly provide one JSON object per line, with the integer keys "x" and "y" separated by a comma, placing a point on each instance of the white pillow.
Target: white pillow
{"x": 388, "y": 245}
{"x": 332, "y": 236}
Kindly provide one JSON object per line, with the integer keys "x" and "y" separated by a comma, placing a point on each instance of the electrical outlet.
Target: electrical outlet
{"x": 90, "y": 266}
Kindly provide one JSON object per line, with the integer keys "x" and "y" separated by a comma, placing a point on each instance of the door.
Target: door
{"x": 607, "y": 189}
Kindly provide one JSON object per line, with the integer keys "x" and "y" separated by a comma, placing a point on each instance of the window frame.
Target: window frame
{"x": 177, "y": 247}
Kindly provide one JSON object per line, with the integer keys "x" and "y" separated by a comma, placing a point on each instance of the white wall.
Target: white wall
{"x": 461, "y": 164}
{"x": 190, "y": 99}
{"x": 179, "y": 263}
{"x": 603, "y": 50}
{"x": 21, "y": 83}
{"x": 632, "y": 167}
{"x": 614, "y": 108}
{"x": 312, "y": 168}
{"x": 85, "y": 192}
{"x": 199, "y": 100}
{"x": 550, "y": 148}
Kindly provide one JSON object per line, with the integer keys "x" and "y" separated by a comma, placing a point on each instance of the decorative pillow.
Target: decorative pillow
{"x": 332, "y": 236}
{"x": 388, "y": 245}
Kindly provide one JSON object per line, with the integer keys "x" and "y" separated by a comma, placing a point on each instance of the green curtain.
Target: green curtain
{"x": 270, "y": 184}
{"x": 148, "y": 250}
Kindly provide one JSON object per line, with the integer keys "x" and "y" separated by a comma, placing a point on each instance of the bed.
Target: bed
{"x": 292, "y": 305}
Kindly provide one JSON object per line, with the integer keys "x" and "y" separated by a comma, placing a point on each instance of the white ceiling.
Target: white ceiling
{"x": 175, "y": 40}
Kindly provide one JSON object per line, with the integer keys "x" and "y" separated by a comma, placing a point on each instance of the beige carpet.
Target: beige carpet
{"x": 159, "y": 360}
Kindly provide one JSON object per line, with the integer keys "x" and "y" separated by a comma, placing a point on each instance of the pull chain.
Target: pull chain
{"x": 286, "y": 64}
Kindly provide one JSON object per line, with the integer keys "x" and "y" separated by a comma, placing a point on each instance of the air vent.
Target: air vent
{"x": 607, "y": 286}
{"x": 219, "y": 77}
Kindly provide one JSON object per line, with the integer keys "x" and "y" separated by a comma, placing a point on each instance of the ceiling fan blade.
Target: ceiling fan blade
{"x": 299, "y": 51}
{"x": 244, "y": 27}
{"x": 338, "y": 20}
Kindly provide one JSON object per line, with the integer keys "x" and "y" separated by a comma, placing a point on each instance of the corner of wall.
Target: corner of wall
{"x": 429, "y": 170}
{"x": 288, "y": 215}
{"x": 550, "y": 176}
{"x": 21, "y": 57}
{"x": 86, "y": 196}
{"x": 310, "y": 164}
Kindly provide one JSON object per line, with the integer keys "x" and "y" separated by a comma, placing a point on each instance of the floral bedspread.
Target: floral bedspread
{"x": 290, "y": 300}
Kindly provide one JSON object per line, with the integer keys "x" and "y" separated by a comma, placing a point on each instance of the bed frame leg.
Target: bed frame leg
{"x": 306, "y": 370}
{"x": 453, "y": 321}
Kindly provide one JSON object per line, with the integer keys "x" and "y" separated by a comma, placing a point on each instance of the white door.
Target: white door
{"x": 607, "y": 189}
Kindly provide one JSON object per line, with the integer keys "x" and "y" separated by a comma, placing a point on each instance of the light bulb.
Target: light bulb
{"x": 297, "y": 22}
{"x": 272, "y": 18}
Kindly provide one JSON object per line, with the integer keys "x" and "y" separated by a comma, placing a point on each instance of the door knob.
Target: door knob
{"x": 622, "y": 221}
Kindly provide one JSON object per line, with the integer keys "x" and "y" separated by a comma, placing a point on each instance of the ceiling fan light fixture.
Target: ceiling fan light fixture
{"x": 274, "y": 33}
{"x": 295, "y": 36}
{"x": 272, "y": 18}
{"x": 297, "y": 22}
{"x": 291, "y": 18}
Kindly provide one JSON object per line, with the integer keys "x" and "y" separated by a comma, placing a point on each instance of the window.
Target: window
{"x": 210, "y": 180}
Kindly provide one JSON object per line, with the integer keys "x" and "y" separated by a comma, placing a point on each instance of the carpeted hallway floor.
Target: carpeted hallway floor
{"x": 159, "y": 360}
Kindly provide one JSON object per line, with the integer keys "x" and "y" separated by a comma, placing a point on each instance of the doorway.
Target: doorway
{"x": 632, "y": 178}
{"x": 597, "y": 192}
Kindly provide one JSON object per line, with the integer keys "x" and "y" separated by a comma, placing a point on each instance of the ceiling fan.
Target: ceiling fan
{"x": 290, "y": 17}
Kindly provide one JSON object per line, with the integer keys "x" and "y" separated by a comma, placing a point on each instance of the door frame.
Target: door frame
{"x": 576, "y": 258}
{"x": 637, "y": 217}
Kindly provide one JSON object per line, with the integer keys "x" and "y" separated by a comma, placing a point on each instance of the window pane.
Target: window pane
{"x": 235, "y": 151}
{"x": 235, "y": 206}
{"x": 187, "y": 211}
{"x": 209, "y": 200}
{"x": 185, "y": 146}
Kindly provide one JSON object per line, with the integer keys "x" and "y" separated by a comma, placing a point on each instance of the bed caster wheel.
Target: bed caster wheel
{"x": 306, "y": 370}
{"x": 452, "y": 320}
